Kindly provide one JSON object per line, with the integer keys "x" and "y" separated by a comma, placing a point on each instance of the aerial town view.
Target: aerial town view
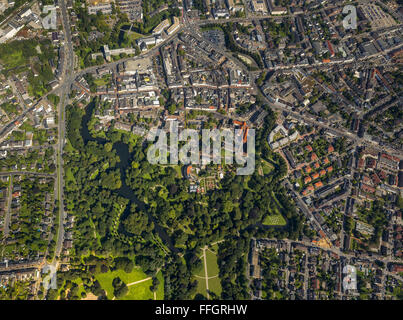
{"x": 291, "y": 112}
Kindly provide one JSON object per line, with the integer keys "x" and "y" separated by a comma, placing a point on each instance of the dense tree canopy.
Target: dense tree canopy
{"x": 123, "y": 206}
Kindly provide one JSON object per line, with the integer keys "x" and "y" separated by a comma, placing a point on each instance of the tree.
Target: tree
{"x": 111, "y": 180}
{"x": 108, "y": 146}
{"x": 173, "y": 189}
{"x": 124, "y": 264}
{"x": 172, "y": 108}
{"x": 180, "y": 238}
{"x": 154, "y": 286}
{"x": 120, "y": 288}
{"x": 96, "y": 289}
{"x": 228, "y": 205}
{"x": 136, "y": 222}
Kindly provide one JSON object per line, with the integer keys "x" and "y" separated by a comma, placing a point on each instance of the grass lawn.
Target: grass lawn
{"x": 214, "y": 285}
{"x": 277, "y": 136}
{"x": 215, "y": 247}
{"x": 200, "y": 271}
{"x": 105, "y": 279}
{"x": 267, "y": 167}
{"x": 16, "y": 55}
{"x": 140, "y": 291}
{"x": 102, "y": 81}
{"x": 13, "y": 59}
{"x": 160, "y": 290}
{"x": 68, "y": 147}
{"x": 134, "y": 35}
{"x": 212, "y": 270}
{"x": 146, "y": 176}
{"x": 275, "y": 220}
{"x": 246, "y": 59}
{"x": 212, "y": 266}
{"x": 201, "y": 286}
{"x": 79, "y": 282}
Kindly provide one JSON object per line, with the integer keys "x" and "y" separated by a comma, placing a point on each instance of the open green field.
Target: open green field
{"x": 275, "y": 217}
{"x": 137, "y": 291}
{"x": 15, "y": 56}
{"x": 212, "y": 266}
{"x": 13, "y": 59}
{"x": 134, "y": 35}
{"x": 103, "y": 81}
{"x": 278, "y": 136}
{"x": 214, "y": 247}
{"x": 200, "y": 272}
{"x": 214, "y": 285}
{"x": 275, "y": 220}
{"x": 214, "y": 282}
{"x": 140, "y": 291}
{"x": 79, "y": 282}
{"x": 267, "y": 167}
{"x": 201, "y": 286}
{"x": 160, "y": 290}
{"x": 246, "y": 59}
{"x": 105, "y": 279}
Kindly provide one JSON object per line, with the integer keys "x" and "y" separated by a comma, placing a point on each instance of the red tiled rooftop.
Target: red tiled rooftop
{"x": 318, "y": 184}
{"x": 367, "y": 188}
{"x": 315, "y": 176}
